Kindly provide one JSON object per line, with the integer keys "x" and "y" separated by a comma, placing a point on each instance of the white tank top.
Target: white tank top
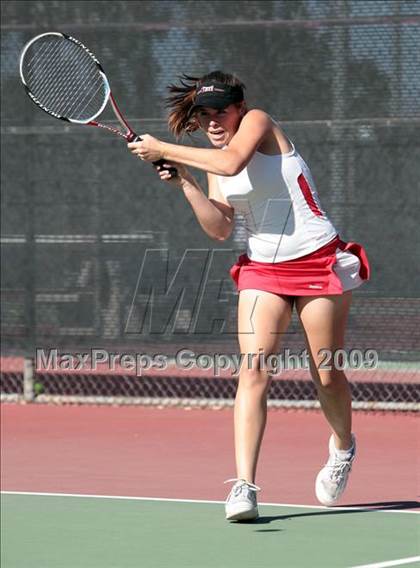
{"x": 277, "y": 197}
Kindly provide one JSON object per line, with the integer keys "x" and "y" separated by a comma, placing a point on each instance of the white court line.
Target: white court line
{"x": 130, "y": 498}
{"x": 388, "y": 563}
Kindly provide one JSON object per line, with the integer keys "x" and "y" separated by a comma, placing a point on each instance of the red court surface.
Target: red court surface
{"x": 187, "y": 454}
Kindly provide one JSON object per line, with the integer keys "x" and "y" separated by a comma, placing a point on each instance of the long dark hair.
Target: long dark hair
{"x": 182, "y": 97}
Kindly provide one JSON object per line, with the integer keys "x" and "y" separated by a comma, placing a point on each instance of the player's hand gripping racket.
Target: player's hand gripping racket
{"x": 66, "y": 80}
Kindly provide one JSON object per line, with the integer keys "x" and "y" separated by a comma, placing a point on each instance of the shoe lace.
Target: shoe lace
{"x": 338, "y": 468}
{"x": 237, "y": 488}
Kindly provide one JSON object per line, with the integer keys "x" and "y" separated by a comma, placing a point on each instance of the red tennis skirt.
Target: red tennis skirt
{"x": 333, "y": 269}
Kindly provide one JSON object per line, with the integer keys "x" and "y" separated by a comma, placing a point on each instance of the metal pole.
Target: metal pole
{"x": 28, "y": 379}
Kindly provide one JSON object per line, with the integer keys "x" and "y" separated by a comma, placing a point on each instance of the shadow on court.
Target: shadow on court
{"x": 358, "y": 508}
{"x": 389, "y": 505}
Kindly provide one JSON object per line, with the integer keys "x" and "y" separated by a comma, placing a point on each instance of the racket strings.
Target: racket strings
{"x": 47, "y": 68}
{"x": 70, "y": 97}
{"x": 44, "y": 72}
{"x": 64, "y": 78}
{"x": 63, "y": 82}
{"x": 43, "y": 64}
{"x": 81, "y": 92}
{"x": 73, "y": 92}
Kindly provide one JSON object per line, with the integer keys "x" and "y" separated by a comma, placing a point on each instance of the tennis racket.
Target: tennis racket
{"x": 64, "y": 79}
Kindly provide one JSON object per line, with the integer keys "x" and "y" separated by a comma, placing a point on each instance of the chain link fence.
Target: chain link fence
{"x": 176, "y": 386}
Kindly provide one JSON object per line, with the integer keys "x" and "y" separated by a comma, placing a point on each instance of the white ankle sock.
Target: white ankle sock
{"x": 344, "y": 454}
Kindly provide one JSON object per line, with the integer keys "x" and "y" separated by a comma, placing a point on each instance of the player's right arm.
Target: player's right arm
{"x": 214, "y": 213}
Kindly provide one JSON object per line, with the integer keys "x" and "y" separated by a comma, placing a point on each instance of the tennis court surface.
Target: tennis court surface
{"x": 90, "y": 486}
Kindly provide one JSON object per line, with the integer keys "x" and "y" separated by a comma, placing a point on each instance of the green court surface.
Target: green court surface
{"x": 54, "y": 531}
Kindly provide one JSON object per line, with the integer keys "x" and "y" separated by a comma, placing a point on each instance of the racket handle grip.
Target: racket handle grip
{"x": 172, "y": 171}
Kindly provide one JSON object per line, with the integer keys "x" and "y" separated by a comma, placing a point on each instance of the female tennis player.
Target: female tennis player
{"x": 294, "y": 258}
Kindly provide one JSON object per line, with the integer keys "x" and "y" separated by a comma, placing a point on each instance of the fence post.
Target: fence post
{"x": 28, "y": 379}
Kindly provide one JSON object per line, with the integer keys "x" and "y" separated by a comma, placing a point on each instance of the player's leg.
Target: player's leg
{"x": 324, "y": 321}
{"x": 262, "y": 319}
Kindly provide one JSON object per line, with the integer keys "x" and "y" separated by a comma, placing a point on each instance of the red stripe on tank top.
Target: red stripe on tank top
{"x": 307, "y": 194}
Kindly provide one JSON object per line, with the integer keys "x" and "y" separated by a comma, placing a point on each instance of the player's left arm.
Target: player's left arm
{"x": 253, "y": 129}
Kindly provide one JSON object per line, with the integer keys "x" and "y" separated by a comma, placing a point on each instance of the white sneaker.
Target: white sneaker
{"x": 241, "y": 504}
{"x": 332, "y": 479}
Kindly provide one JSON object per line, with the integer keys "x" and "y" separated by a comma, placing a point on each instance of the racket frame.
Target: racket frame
{"x": 129, "y": 134}
{"x": 101, "y": 72}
